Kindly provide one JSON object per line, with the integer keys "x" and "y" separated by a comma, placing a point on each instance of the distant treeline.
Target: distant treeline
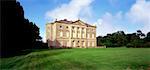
{"x": 120, "y": 39}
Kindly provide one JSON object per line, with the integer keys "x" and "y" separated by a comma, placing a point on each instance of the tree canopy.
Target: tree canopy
{"x": 119, "y": 38}
{"x": 18, "y": 33}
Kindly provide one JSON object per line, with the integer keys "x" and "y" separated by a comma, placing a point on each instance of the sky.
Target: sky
{"x": 108, "y": 15}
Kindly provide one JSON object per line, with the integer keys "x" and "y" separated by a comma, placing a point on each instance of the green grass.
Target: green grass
{"x": 81, "y": 59}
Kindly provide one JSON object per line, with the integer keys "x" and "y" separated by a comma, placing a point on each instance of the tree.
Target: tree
{"x": 116, "y": 39}
{"x": 140, "y": 34}
{"x": 147, "y": 38}
{"x": 99, "y": 43}
{"x": 18, "y": 32}
{"x": 119, "y": 38}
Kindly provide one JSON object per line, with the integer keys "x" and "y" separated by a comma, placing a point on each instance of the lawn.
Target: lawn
{"x": 80, "y": 59}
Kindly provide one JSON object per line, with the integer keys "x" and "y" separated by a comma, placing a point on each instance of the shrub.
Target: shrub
{"x": 129, "y": 45}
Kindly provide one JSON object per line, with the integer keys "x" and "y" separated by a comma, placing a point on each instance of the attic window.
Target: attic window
{"x": 60, "y": 26}
{"x": 67, "y": 27}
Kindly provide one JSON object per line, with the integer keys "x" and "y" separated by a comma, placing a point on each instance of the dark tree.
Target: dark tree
{"x": 116, "y": 39}
{"x": 18, "y": 33}
{"x": 99, "y": 41}
{"x": 147, "y": 38}
{"x": 119, "y": 38}
{"x": 140, "y": 34}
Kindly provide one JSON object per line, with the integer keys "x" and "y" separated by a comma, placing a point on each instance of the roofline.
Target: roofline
{"x": 88, "y": 25}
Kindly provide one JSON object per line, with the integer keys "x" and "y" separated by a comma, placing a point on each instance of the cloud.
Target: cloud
{"x": 138, "y": 14}
{"x": 72, "y": 11}
{"x": 109, "y": 23}
{"x": 75, "y": 9}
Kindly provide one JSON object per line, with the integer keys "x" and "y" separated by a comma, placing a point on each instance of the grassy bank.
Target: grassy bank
{"x": 81, "y": 59}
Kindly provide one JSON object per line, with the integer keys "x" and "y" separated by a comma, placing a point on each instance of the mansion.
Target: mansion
{"x": 64, "y": 33}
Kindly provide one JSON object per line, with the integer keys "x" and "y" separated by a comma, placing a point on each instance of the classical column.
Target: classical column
{"x": 70, "y": 36}
{"x": 80, "y": 33}
{"x": 75, "y": 32}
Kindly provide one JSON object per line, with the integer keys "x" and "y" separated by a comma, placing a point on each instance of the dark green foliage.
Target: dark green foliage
{"x": 129, "y": 45}
{"x": 40, "y": 45}
{"x": 116, "y": 39}
{"x": 119, "y": 39}
{"x": 136, "y": 43}
{"x": 18, "y": 33}
{"x": 100, "y": 40}
{"x": 147, "y": 44}
{"x": 147, "y": 38}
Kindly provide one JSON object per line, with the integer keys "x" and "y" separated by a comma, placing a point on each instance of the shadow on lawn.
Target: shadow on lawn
{"x": 16, "y": 53}
{"x": 42, "y": 52}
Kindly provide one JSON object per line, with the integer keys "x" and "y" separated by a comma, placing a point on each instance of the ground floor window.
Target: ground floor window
{"x": 61, "y": 43}
{"x": 88, "y": 44}
{"x": 68, "y": 44}
{"x": 61, "y": 34}
{"x": 73, "y": 43}
{"x": 93, "y": 44}
{"x": 83, "y": 43}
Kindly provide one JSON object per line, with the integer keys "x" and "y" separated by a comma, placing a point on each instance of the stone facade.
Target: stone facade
{"x": 64, "y": 33}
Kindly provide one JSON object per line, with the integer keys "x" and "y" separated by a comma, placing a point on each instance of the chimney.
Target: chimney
{"x": 65, "y": 19}
{"x": 56, "y": 19}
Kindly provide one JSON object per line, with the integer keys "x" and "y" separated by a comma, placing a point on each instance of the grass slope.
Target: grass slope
{"x": 81, "y": 59}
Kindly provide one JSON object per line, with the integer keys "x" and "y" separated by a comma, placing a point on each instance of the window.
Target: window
{"x": 88, "y": 35}
{"x": 68, "y": 44}
{"x": 53, "y": 43}
{"x": 61, "y": 34}
{"x": 92, "y": 35}
{"x": 78, "y": 35}
{"x": 88, "y": 30}
{"x": 92, "y": 30}
{"x": 82, "y": 30}
{"x": 74, "y": 34}
{"x": 73, "y": 27}
{"x": 88, "y": 44}
{"x": 61, "y": 43}
{"x": 78, "y": 44}
{"x": 83, "y": 35}
{"x": 67, "y": 34}
{"x": 60, "y": 27}
{"x": 83, "y": 43}
{"x": 92, "y": 44}
{"x": 73, "y": 42}
{"x": 67, "y": 27}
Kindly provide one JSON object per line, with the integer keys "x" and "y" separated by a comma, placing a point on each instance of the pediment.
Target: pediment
{"x": 79, "y": 22}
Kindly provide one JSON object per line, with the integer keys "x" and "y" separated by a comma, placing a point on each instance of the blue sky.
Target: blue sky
{"x": 108, "y": 15}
